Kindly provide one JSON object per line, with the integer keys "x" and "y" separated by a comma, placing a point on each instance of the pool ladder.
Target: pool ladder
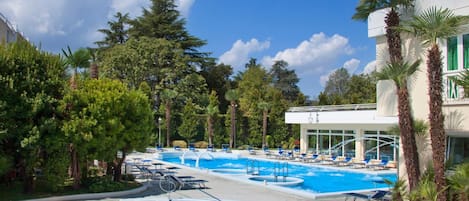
{"x": 280, "y": 169}
{"x": 252, "y": 167}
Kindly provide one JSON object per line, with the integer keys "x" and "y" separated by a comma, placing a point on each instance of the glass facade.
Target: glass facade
{"x": 451, "y": 88}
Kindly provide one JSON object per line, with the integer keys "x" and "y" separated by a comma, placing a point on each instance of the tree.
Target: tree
{"x": 117, "y": 32}
{"x": 31, "y": 85}
{"x": 400, "y": 73}
{"x": 106, "y": 117}
{"x": 361, "y": 89}
{"x": 337, "y": 83}
{"x": 264, "y": 106}
{"x": 217, "y": 77}
{"x": 366, "y": 7}
{"x": 78, "y": 59}
{"x": 162, "y": 20}
{"x": 429, "y": 26}
{"x": 188, "y": 128}
{"x": 285, "y": 80}
{"x": 232, "y": 95}
{"x": 212, "y": 113}
{"x": 168, "y": 97}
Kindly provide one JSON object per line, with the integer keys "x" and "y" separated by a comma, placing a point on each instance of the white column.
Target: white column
{"x": 359, "y": 144}
{"x": 303, "y": 139}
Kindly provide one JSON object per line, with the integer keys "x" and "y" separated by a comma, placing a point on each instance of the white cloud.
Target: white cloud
{"x": 351, "y": 65}
{"x": 134, "y": 8}
{"x": 184, "y": 7}
{"x": 38, "y": 17}
{"x": 370, "y": 67}
{"x": 319, "y": 52}
{"x": 238, "y": 55}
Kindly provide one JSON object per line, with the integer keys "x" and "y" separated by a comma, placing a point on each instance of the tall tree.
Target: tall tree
{"x": 117, "y": 32}
{"x": 218, "y": 79}
{"x": 264, "y": 106}
{"x": 285, "y": 80}
{"x": 188, "y": 128}
{"x": 232, "y": 95}
{"x": 162, "y": 20}
{"x": 212, "y": 113}
{"x": 168, "y": 97}
{"x": 400, "y": 74}
{"x": 337, "y": 83}
{"x": 393, "y": 38}
{"x": 430, "y": 25}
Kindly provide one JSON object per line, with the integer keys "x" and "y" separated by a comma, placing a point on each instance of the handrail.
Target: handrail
{"x": 366, "y": 106}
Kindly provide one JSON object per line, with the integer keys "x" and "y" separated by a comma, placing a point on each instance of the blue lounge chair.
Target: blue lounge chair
{"x": 191, "y": 147}
{"x": 378, "y": 195}
{"x": 210, "y": 148}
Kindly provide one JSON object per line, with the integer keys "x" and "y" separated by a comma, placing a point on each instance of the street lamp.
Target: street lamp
{"x": 159, "y": 131}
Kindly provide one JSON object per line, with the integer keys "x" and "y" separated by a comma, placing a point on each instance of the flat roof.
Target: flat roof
{"x": 366, "y": 106}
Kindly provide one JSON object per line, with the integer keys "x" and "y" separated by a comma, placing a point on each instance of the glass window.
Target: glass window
{"x": 465, "y": 46}
{"x": 458, "y": 150}
{"x": 451, "y": 88}
{"x": 452, "y": 53}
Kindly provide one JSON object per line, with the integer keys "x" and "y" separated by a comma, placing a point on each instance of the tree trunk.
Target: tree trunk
{"x": 75, "y": 166}
{"x": 264, "y": 127}
{"x": 437, "y": 131}
{"x": 94, "y": 74}
{"x": 168, "y": 122}
{"x": 393, "y": 36}
{"x": 409, "y": 145}
{"x": 233, "y": 124}
{"x": 210, "y": 129}
{"x": 118, "y": 166}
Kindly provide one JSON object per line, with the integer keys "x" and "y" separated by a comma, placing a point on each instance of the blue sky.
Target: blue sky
{"x": 314, "y": 36}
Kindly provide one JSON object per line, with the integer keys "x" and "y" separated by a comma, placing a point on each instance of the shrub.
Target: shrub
{"x": 128, "y": 177}
{"x": 201, "y": 144}
{"x": 180, "y": 143}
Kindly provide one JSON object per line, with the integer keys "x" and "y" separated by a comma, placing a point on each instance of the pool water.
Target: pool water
{"x": 316, "y": 179}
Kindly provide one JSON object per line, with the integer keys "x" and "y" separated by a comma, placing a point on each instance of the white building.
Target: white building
{"x": 363, "y": 127}
{"x": 8, "y": 33}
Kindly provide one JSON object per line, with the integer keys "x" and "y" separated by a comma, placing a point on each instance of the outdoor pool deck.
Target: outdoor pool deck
{"x": 221, "y": 187}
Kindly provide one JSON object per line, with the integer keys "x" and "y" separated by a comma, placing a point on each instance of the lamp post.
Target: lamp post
{"x": 159, "y": 131}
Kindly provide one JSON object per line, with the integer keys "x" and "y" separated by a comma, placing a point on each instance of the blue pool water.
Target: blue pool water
{"x": 316, "y": 179}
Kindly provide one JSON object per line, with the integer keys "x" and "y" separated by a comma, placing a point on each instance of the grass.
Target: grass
{"x": 14, "y": 191}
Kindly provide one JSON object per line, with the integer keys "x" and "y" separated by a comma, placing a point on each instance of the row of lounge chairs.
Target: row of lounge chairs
{"x": 348, "y": 162}
{"x": 149, "y": 170}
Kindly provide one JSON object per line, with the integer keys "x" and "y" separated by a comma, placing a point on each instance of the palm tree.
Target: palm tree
{"x": 429, "y": 26}
{"x": 94, "y": 71}
{"x": 366, "y": 7}
{"x": 400, "y": 73}
{"x": 168, "y": 96}
{"x": 78, "y": 59}
{"x": 232, "y": 96}
{"x": 264, "y": 106}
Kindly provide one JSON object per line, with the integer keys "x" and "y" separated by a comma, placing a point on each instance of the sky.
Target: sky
{"x": 315, "y": 37}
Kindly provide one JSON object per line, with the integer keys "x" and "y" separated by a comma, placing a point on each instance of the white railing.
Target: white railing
{"x": 366, "y": 106}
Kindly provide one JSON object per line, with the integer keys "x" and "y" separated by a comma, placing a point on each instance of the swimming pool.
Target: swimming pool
{"x": 321, "y": 179}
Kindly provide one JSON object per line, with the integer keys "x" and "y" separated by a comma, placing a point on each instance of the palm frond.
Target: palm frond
{"x": 434, "y": 23}
{"x": 400, "y": 73}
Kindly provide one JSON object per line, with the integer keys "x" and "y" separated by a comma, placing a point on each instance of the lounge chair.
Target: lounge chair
{"x": 377, "y": 164}
{"x": 186, "y": 182}
{"x": 313, "y": 158}
{"x": 191, "y": 147}
{"x": 225, "y": 148}
{"x": 251, "y": 151}
{"x": 210, "y": 148}
{"x": 378, "y": 195}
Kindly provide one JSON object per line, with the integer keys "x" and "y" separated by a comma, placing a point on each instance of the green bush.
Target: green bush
{"x": 128, "y": 177}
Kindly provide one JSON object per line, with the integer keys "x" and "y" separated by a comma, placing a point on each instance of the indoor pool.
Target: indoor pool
{"x": 321, "y": 179}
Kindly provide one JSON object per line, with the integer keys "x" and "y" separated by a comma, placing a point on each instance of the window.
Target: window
{"x": 452, "y": 53}
{"x": 451, "y": 89}
{"x": 465, "y": 46}
{"x": 458, "y": 150}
